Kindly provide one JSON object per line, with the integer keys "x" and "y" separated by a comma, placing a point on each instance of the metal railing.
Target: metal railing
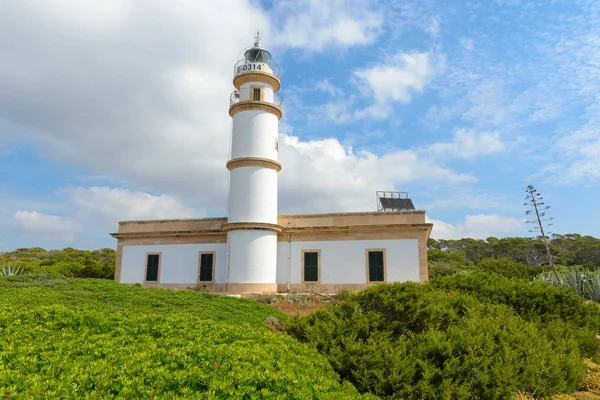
{"x": 246, "y": 66}
{"x": 234, "y": 98}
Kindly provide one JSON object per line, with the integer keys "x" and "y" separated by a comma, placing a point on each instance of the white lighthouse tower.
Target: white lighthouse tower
{"x": 252, "y": 209}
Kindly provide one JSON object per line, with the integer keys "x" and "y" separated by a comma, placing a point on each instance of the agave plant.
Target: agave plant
{"x": 593, "y": 287}
{"x": 8, "y": 271}
{"x": 585, "y": 283}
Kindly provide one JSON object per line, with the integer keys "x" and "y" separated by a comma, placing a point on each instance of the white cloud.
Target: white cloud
{"x": 48, "y": 227}
{"x": 576, "y": 158}
{"x": 479, "y": 226}
{"x": 315, "y": 25}
{"x": 89, "y": 213}
{"x": 131, "y": 93}
{"x": 396, "y": 80}
{"x": 331, "y": 177}
{"x": 123, "y": 204}
{"x": 327, "y": 87}
{"x": 468, "y": 144}
{"x": 470, "y": 199}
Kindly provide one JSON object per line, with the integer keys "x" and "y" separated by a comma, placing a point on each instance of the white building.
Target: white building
{"x": 256, "y": 250}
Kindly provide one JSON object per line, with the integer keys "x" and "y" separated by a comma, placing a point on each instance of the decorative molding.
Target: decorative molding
{"x": 172, "y": 233}
{"x": 253, "y": 162}
{"x": 257, "y": 76}
{"x": 258, "y": 226}
{"x": 255, "y": 105}
{"x": 216, "y": 287}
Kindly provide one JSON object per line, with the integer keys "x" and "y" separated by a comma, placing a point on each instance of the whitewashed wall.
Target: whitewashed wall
{"x": 254, "y": 135}
{"x": 252, "y": 195}
{"x": 344, "y": 262}
{"x": 252, "y": 256}
{"x": 179, "y": 262}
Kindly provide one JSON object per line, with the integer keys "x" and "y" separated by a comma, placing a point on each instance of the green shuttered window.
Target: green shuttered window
{"x": 152, "y": 263}
{"x": 206, "y": 267}
{"x": 311, "y": 266}
{"x": 376, "y": 266}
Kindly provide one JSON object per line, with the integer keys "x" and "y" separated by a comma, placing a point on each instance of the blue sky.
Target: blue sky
{"x": 117, "y": 110}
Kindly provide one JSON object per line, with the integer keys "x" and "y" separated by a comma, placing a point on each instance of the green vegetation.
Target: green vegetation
{"x": 492, "y": 323}
{"x": 91, "y": 338}
{"x": 68, "y": 262}
{"x": 585, "y": 281}
{"x": 570, "y": 249}
{"x": 578, "y": 259}
{"x": 472, "y": 335}
{"x": 7, "y": 270}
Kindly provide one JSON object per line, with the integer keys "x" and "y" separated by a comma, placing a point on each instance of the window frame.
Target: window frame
{"x": 153, "y": 253}
{"x": 260, "y": 91}
{"x": 214, "y": 261}
{"x": 318, "y": 281}
{"x": 367, "y": 251}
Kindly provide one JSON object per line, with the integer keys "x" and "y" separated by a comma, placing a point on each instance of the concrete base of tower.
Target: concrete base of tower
{"x": 252, "y": 258}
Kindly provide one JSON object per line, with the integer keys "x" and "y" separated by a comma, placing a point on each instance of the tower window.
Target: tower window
{"x": 257, "y": 94}
{"x": 310, "y": 266}
{"x": 376, "y": 265}
{"x": 207, "y": 267}
{"x": 152, "y": 267}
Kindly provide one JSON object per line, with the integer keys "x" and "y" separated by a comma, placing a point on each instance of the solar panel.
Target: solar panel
{"x": 388, "y": 203}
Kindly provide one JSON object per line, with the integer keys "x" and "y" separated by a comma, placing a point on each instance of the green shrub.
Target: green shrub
{"x": 532, "y": 301}
{"x": 55, "y": 352}
{"x": 507, "y": 267}
{"x": 411, "y": 341}
{"x": 68, "y": 262}
{"x": 90, "y": 338}
{"x": 442, "y": 268}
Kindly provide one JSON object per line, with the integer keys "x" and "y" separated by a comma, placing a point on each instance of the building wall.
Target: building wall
{"x": 253, "y": 195}
{"x": 342, "y": 263}
{"x": 345, "y": 263}
{"x": 252, "y": 257}
{"x": 254, "y": 135}
{"x": 178, "y": 264}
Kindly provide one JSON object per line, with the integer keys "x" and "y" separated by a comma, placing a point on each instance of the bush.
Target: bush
{"x": 410, "y": 341}
{"x": 442, "y": 268}
{"x": 507, "y": 268}
{"x": 100, "y": 339}
{"x": 68, "y": 262}
{"x": 532, "y": 301}
{"x": 559, "y": 310}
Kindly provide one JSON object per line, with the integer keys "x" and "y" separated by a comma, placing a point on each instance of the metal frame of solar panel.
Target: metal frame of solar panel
{"x": 393, "y": 201}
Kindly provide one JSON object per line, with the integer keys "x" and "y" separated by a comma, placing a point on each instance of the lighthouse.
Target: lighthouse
{"x": 255, "y": 250}
{"x": 251, "y": 226}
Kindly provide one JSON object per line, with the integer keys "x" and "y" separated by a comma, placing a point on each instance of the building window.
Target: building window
{"x": 376, "y": 265}
{"x": 256, "y": 94}
{"x": 152, "y": 267}
{"x": 207, "y": 267}
{"x": 310, "y": 266}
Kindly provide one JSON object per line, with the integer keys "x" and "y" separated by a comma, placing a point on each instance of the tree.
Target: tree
{"x": 535, "y": 201}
